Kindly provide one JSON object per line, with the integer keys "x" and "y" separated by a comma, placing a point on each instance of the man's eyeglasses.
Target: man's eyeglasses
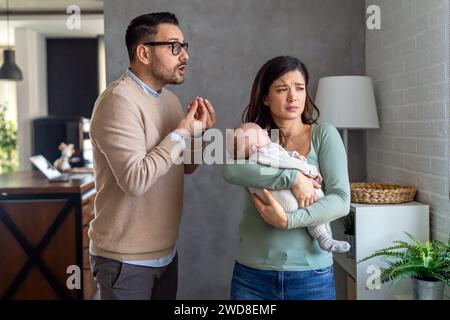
{"x": 176, "y": 45}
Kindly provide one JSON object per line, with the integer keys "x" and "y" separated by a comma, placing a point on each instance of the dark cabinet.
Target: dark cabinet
{"x": 43, "y": 232}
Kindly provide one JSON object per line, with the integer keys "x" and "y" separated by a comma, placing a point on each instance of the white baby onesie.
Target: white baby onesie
{"x": 275, "y": 156}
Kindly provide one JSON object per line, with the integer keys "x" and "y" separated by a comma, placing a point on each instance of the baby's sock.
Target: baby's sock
{"x": 329, "y": 244}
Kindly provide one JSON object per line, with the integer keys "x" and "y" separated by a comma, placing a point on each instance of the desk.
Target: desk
{"x": 43, "y": 231}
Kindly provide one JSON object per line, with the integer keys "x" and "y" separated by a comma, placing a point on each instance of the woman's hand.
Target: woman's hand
{"x": 272, "y": 213}
{"x": 304, "y": 190}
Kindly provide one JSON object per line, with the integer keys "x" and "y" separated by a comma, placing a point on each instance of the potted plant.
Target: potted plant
{"x": 428, "y": 264}
{"x": 349, "y": 231}
{"x": 8, "y": 143}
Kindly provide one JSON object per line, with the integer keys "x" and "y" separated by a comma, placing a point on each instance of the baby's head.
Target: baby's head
{"x": 246, "y": 139}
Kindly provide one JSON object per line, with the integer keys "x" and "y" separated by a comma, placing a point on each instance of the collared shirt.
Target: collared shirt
{"x": 143, "y": 85}
{"x": 155, "y": 263}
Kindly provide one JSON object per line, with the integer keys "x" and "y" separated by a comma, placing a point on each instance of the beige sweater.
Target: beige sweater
{"x": 139, "y": 188}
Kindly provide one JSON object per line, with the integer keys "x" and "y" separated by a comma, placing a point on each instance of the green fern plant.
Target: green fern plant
{"x": 428, "y": 261}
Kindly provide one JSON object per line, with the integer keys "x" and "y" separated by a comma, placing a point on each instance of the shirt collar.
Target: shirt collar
{"x": 143, "y": 85}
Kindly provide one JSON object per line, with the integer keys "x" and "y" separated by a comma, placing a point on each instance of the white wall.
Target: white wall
{"x": 31, "y": 56}
{"x": 101, "y": 65}
{"x": 408, "y": 60}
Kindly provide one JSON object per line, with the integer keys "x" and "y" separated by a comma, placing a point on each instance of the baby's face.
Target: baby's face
{"x": 246, "y": 140}
{"x": 257, "y": 137}
{"x": 252, "y": 139}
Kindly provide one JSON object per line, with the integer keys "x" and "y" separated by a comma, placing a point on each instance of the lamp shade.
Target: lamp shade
{"x": 9, "y": 70}
{"x": 347, "y": 102}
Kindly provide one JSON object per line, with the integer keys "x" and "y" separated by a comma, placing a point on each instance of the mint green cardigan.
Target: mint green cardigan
{"x": 265, "y": 247}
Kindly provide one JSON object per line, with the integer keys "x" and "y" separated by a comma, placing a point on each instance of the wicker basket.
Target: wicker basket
{"x": 382, "y": 192}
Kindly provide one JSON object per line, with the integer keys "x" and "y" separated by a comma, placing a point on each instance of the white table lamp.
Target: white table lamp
{"x": 347, "y": 102}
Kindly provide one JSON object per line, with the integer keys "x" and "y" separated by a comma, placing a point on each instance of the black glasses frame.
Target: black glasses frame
{"x": 176, "y": 45}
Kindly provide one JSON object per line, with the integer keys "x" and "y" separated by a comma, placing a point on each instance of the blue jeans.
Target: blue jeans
{"x": 255, "y": 284}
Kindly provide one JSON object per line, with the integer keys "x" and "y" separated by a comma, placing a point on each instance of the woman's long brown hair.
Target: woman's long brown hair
{"x": 258, "y": 112}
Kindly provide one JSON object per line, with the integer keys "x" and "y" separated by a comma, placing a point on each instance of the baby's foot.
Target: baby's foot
{"x": 329, "y": 244}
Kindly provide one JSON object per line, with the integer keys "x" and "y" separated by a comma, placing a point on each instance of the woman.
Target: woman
{"x": 277, "y": 258}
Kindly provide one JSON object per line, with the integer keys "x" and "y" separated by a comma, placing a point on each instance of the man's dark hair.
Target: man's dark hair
{"x": 144, "y": 27}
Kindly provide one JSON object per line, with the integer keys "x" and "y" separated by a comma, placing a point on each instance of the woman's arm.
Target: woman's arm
{"x": 252, "y": 174}
{"x": 333, "y": 166}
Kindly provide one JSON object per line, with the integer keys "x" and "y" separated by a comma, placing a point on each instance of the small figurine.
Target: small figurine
{"x": 62, "y": 163}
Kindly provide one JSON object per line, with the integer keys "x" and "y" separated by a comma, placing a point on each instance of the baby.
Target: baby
{"x": 250, "y": 141}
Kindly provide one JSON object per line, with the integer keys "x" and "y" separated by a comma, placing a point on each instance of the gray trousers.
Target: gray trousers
{"x": 122, "y": 281}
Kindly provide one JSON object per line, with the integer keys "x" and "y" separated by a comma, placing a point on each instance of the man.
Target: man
{"x": 137, "y": 129}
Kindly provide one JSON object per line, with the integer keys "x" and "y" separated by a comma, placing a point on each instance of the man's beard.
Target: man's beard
{"x": 165, "y": 75}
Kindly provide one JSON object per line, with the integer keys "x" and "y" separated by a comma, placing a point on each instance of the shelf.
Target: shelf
{"x": 355, "y": 205}
{"x": 346, "y": 263}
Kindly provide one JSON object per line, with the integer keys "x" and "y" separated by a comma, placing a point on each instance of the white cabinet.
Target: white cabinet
{"x": 376, "y": 227}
